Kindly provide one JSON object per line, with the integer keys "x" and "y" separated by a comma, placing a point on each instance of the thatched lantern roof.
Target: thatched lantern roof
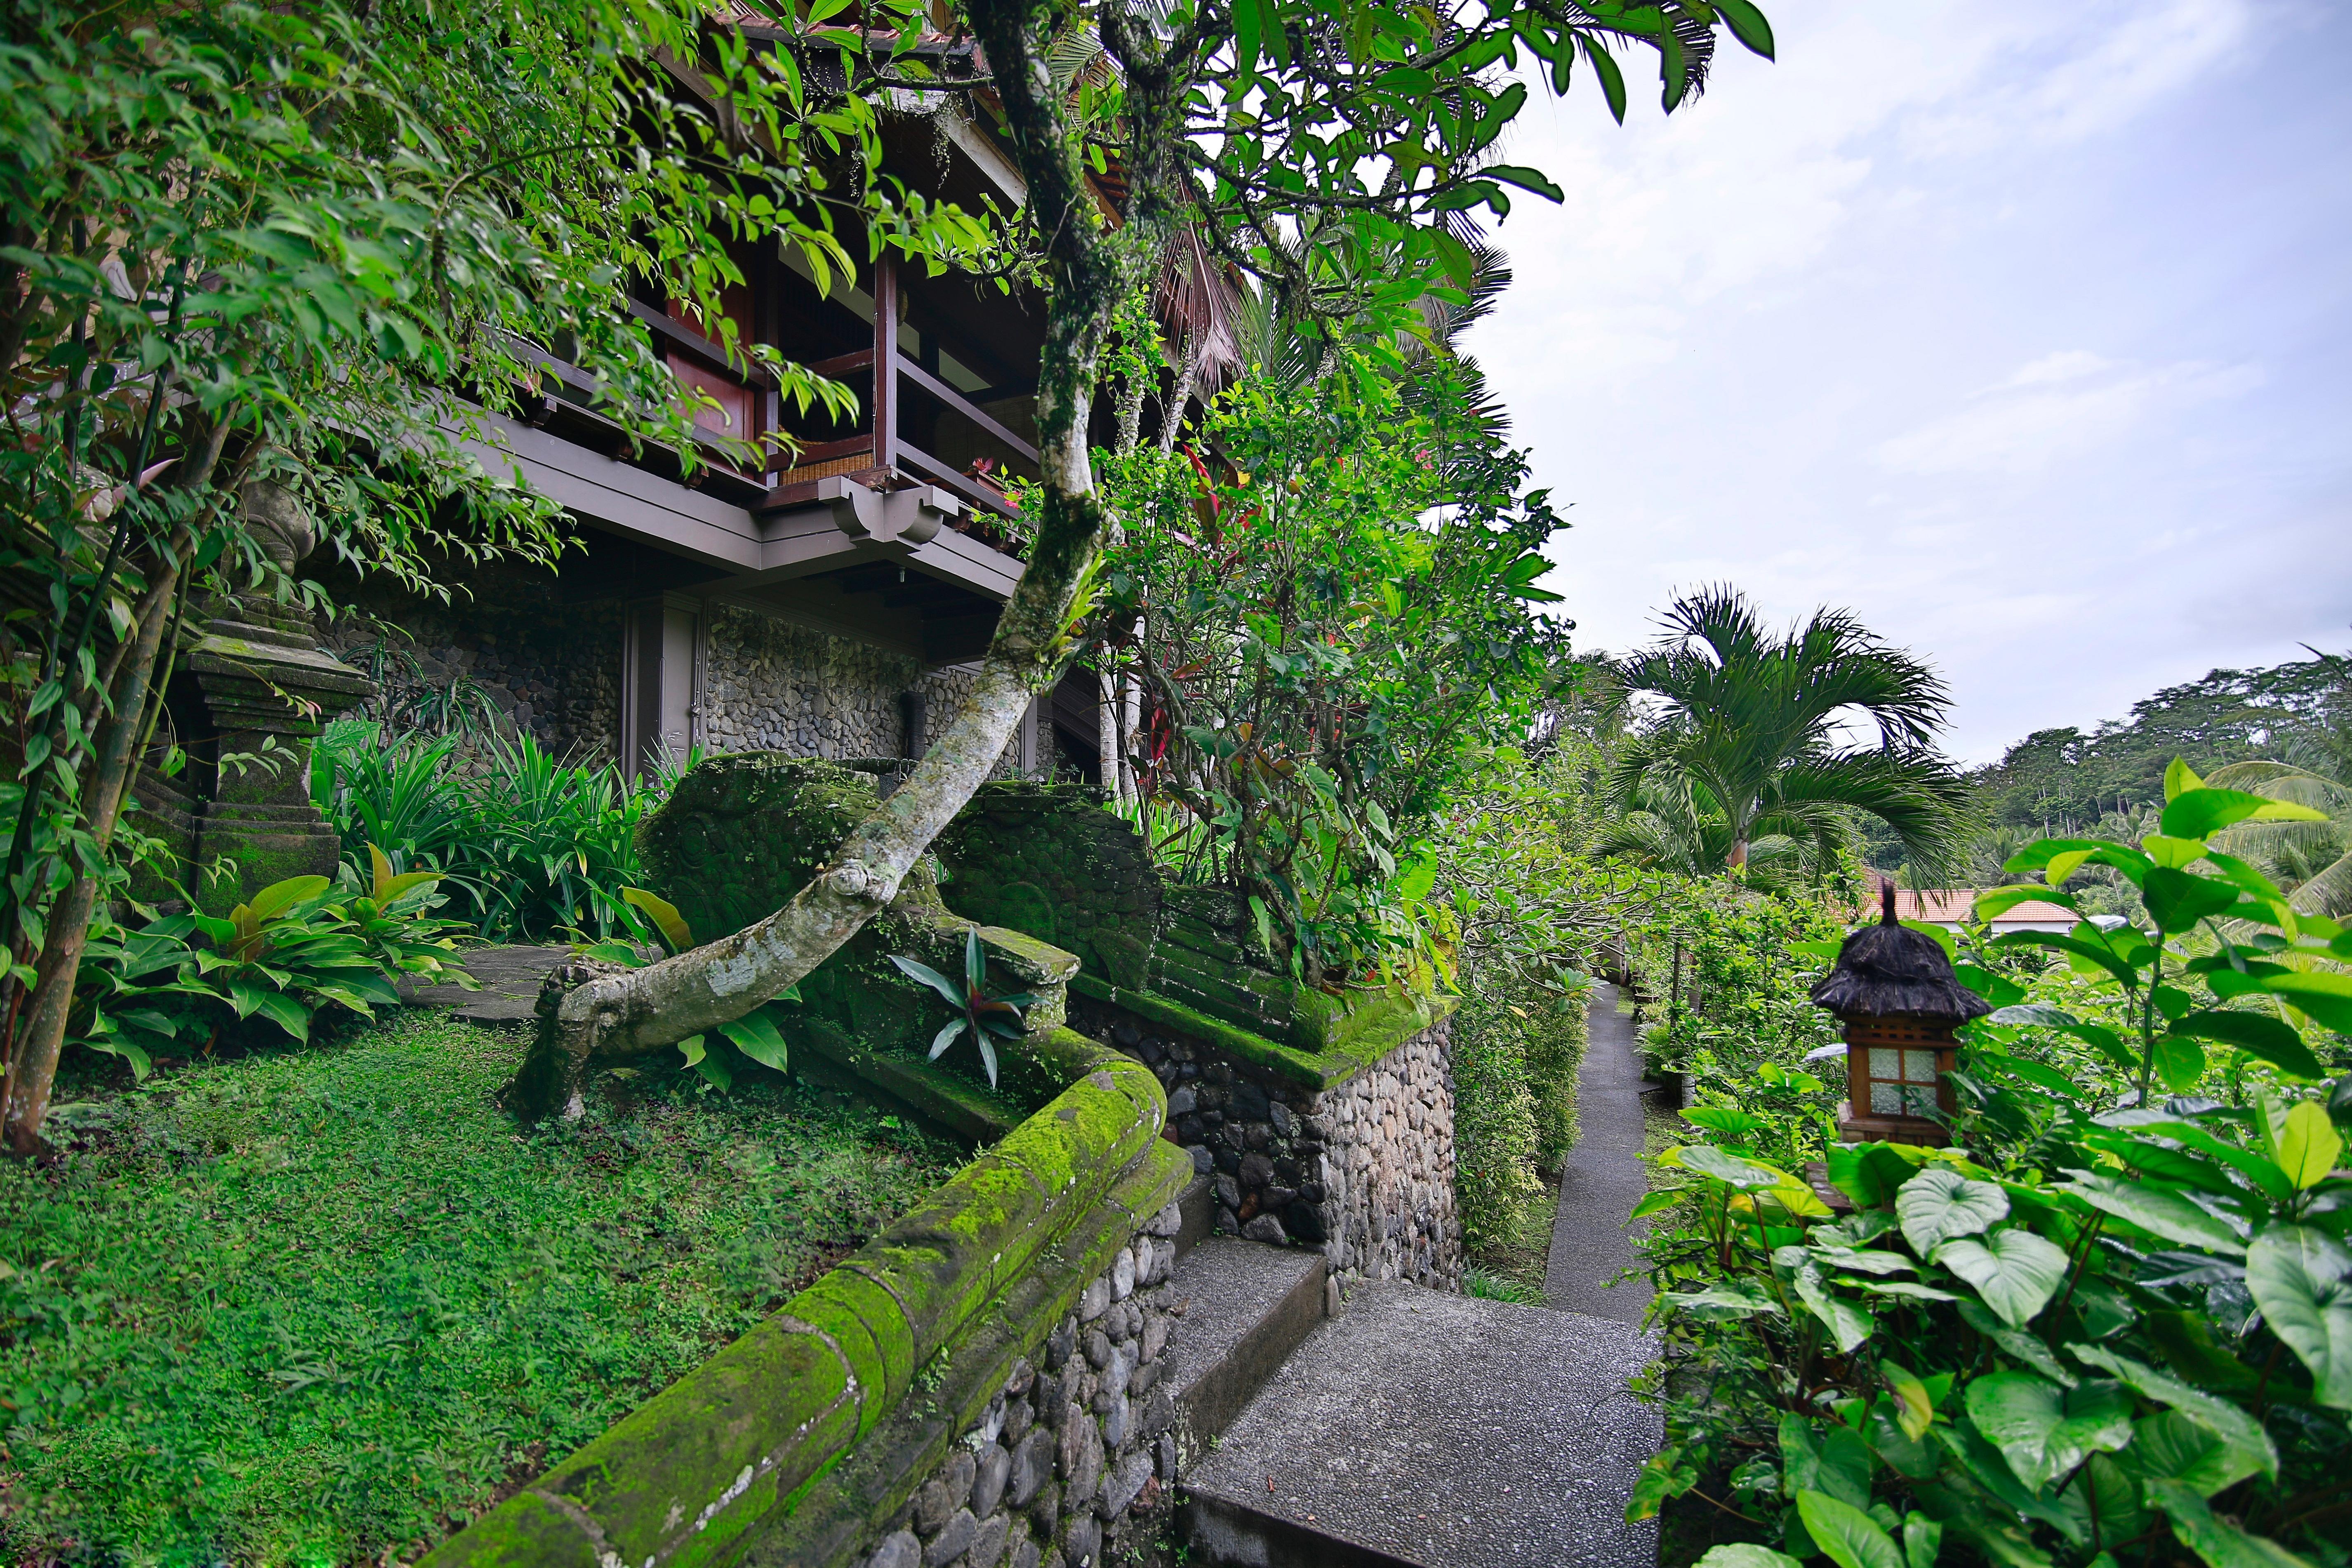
{"x": 1889, "y": 969}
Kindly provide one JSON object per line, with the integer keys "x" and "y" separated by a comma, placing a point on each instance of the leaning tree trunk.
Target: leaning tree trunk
{"x": 612, "y": 1017}
{"x": 32, "y": 1065}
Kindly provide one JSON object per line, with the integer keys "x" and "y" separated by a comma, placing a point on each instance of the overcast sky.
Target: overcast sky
{"x": 2019, "y": 329}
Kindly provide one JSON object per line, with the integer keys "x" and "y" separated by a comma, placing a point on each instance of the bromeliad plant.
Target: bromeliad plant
{"x": 2096, "y": 1330}
{"x": 982, "y": 1014}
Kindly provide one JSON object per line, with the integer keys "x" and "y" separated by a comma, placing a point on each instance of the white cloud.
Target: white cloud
{"x": 2062, "y": 405}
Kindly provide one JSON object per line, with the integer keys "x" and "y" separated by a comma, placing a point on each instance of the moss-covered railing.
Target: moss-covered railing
{"x": 735, "y": 1459}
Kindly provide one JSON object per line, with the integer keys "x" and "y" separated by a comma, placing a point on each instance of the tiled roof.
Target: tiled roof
{"x": 1953, "y": 906}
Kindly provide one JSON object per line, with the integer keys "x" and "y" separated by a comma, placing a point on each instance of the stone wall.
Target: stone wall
{"x": 770, "y": 687}
{"x": 550, "y": 668}
{"x": 1072, "y": 1464}
{"x": 1363, "y": 1169}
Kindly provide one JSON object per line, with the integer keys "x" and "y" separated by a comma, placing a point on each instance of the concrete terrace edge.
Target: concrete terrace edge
{"x": 1356, "y": 1040}
{"x": 711, "y": 1463}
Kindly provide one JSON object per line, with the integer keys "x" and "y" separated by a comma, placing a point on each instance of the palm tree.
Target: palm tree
{"x": 2310, "y": 860}
{"x": 1748, "y": 721}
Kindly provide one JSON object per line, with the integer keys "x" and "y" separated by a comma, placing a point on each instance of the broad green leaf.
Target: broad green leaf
{"x": 2297, "y": 1275}
{"x": 2179, "y": 780}
{"x": 2327, "y": 997}
{"x": 1913, "y": 1409}
{"x": 2044, "y": 1431}
{"x": 1865, "y": 1261}
{"x": 2180, "y": 1062}
{"x": 2039, "y": 1013}
{"x": 1847, "y": 1536}
{"x": 2217, "y": 1415}
{"x": 2014, "y": 1271}
{"x": 665, "y": 916}
{"x": 1655, "y": 1203}
{"x": 1724, "y": 1298}
{"x": 756, "y": 1036}
{"x": 2173, "y": 854}
{"x": 2103, "y": 1490}
{"x": 279, "y": 897}
{"x": 2307, "y": 1145}
{"x": 1838, "y": 1462}
{"x": 2156, "y": 1211}
{"x": 1745, "y": 1554}
{"x": 1848, "y": 1324}
{"x": 2168, "y": 1445}
{"x": 1729, "y": 1169}
{"x": 1923, "y": 1541}
{"x": 1905, "y": 1288}
{"x": 2098, "y": 955}
{"x": 1937, "y": 1205}
{"x": 690, "y": 1048}
{"x": 1722, "y": 1119}
{"x": 2256, "y": 1034}
{"x": 1869, "y": 1173}
{"x": 2221, "y": 1544}
{"x": 2202, "y": 813}
{"x": 1665, "y": 1475}
{"x": 2179, "y": 899}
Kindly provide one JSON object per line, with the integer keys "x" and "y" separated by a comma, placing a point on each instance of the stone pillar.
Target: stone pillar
{"x": 269, "y": 687}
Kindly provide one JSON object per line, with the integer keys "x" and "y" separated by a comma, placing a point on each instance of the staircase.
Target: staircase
{"x": 1406, "y": 1426}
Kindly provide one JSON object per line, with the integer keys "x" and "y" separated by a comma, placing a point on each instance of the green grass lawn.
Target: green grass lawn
{"x": 324, "y": 1305}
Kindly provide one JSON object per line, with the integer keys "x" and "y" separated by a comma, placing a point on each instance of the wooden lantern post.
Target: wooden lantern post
{"x": 1894, "y": 991}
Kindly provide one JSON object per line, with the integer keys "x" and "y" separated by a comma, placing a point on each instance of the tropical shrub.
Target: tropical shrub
{"x": 2098, "y": 1329}
{"x": 299, "y": 948}
{"x": 534, "y": 845}
{"x": 1324, "y": 656}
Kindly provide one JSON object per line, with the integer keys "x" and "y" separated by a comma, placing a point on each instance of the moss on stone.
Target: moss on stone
{"x": 525, "y": 1531}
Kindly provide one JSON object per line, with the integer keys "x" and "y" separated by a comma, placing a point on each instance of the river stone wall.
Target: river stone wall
{"x": 1072, "y": 1465}
{"x": 1363, "y": 1169}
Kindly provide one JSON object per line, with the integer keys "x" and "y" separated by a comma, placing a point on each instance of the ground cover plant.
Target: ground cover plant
{"x": 320, "y": 1305}
{"x": 2112, "y": 1323}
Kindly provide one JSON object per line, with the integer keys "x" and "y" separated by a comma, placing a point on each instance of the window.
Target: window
{"x": 1902, "y": 1082}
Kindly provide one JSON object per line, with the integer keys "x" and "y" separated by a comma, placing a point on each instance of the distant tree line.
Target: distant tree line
{"x": 2070, "y": 776}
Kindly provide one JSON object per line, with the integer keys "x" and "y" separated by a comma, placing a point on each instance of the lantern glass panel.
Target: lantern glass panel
{"x": 1902, "y": 1098}
{"x": 1886, "y": 1062}
{"x": 1919, "y": 1067}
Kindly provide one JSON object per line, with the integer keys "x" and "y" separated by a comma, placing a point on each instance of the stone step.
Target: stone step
{"x": 510, "y": 978}
{"x": 1426, "y": 1428}
{"x": 1244, "y": 1308}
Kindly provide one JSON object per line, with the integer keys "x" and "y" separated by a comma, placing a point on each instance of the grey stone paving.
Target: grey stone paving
{"x": 510, "y": 978}
{"x": 1439, "y": 1429}
{"x": 1604, "y": 1178}
{"x": 1242, "y": 1308}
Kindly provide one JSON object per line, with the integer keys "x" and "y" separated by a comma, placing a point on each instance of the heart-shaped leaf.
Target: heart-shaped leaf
{"x": 2014, "y": 1271}
{"x": 2219, "y": 1416}
{"x": 1847, "y": 1536}
{"x": 1937, "y": 1205}
{"x": 1848, "y": 1324}
{"x": 2220, "y": 1544}
{"x": 2044, "y": 1431}
{"x": 2298, "y": 1276}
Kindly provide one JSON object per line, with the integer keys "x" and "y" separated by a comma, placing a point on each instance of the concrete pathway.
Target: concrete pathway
{"x": 1426, "y": 1428}
{"x": 1605, "y": 1176}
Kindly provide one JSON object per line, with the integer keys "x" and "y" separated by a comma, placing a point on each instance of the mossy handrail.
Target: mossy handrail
{"x": 690, "y": 1476}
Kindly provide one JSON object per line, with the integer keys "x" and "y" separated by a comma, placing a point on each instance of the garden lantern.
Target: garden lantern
{"x": 1894, "y": 992}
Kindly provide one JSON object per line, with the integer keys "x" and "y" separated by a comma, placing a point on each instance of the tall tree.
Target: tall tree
{"x": 291, "y": 258}
{"x": 1747, "y": 724}
{"x": 1321, "y": 146}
